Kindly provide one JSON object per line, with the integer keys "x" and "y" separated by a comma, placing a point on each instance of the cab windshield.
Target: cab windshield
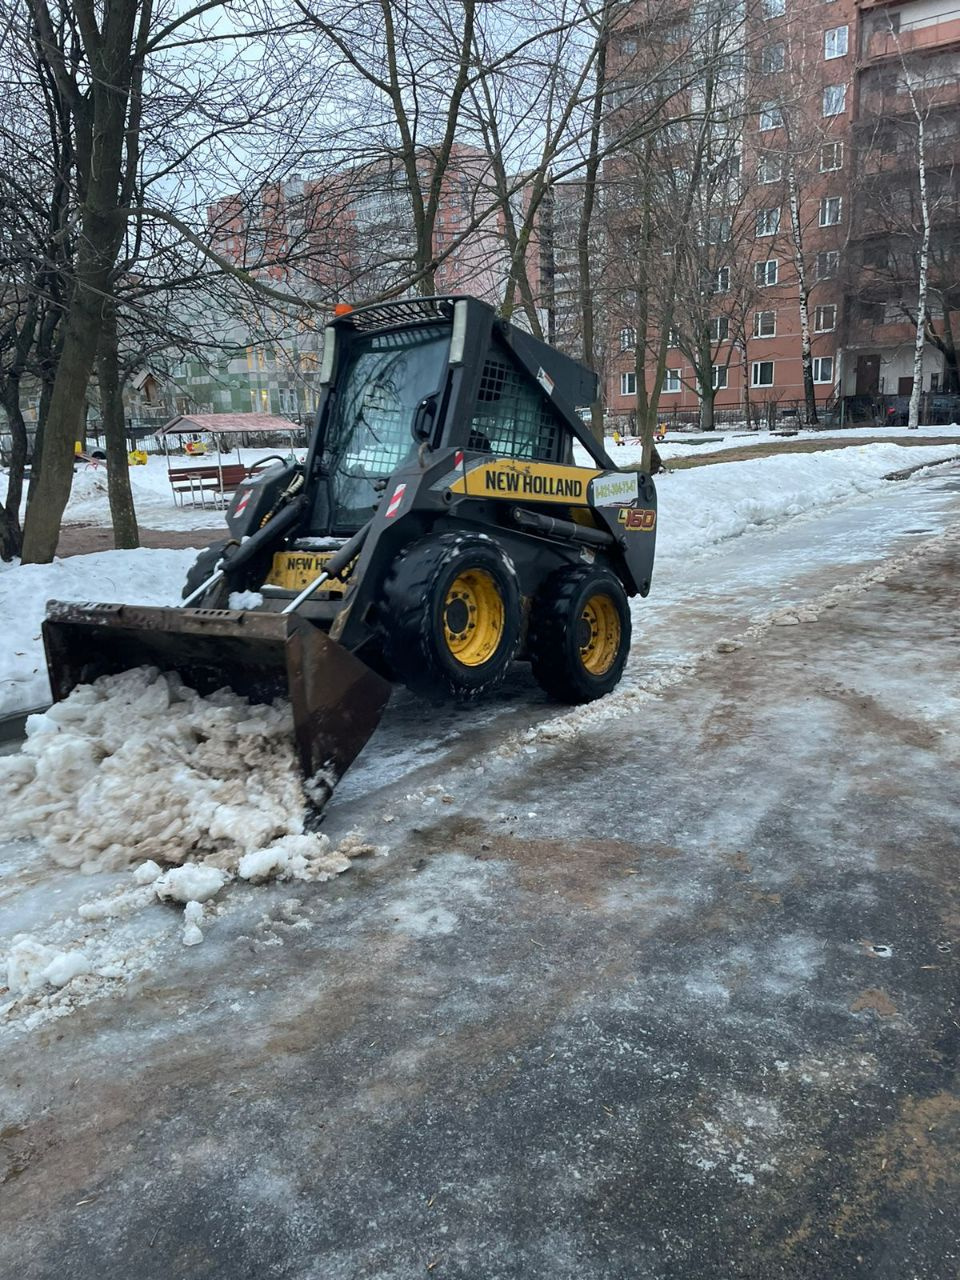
{"x": 370, "y": 431}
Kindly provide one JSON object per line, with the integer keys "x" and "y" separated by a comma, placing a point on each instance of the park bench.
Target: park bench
{"x": 194, "y": 485}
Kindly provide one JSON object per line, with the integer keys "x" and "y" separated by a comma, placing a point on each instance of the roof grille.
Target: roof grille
{"x": 389, "y": 315}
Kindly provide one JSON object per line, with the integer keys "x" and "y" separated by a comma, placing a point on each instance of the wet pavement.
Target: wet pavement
{"x": 676, "y": 998}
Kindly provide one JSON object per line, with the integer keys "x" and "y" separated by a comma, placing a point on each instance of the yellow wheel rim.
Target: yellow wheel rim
{"x": 599, "y": 634}
{"x": 473, "y": 617}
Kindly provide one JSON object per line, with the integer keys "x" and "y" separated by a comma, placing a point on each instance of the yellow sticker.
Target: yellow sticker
{"x": 526, "y": 482}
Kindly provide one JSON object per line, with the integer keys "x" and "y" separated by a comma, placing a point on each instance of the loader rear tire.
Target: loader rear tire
{"x": 451, "y": 616}
{"x": 203, "y": 568}
{"x": 579, "y": 634}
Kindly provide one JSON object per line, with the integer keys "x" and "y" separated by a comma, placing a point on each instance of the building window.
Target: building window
{"x": 825, "y": 318}
{"x": 628, "y": 339}
{"x": 766, "y": 272}
{"x": 828, "y": 264}
{"x": 773, "y": 59}
{"x": 831, "y": 210}
{"x": 764, "y": 324}
{"x": 671, "y": 382}
{"x": 831, "y": 156}
{"x": 876, "y": 255}
{"x": 835, "y": 42}
{"x": 771, "y": 116}
{"x": 823, "y": 368}
{"x": 718, "y": 229}
{"x": 834, "y": 99}
{"x": 761, "y": 373}
{"x": 773, "y": 8}
{"x": 768, "y": 222}
{"x": 628, "y": 384}
{"x": 719, "y": 329}
{"x": 721, "y": 281}
{"x": 770, "y": 169}
{"x": 720, "y": 372}
{"x": 628, "y": 46}
{"x": 871, "y": 312}
{"x": 673, "y": 337}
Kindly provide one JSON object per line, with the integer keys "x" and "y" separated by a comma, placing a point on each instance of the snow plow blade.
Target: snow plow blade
{"x": 337, "y": 700}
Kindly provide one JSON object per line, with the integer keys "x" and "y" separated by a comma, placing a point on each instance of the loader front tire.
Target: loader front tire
{"x": 579, "y": 635}
{"x": 201, "y": 569}
{"x": 451, "y": 616}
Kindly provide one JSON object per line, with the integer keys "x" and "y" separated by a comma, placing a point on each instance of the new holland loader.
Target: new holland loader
{"x": 438, "y": 530}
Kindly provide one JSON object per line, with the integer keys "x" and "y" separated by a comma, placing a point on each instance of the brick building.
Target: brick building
{"x": 822, "y": 130}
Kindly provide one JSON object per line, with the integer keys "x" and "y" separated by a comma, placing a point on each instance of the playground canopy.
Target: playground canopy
{"x": 227, "y": 424}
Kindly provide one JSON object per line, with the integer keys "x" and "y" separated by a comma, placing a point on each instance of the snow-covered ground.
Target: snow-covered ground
{"x": 132, "y": 577}
{"x": 685, "y": 444}
{"x": 152, "y": 494}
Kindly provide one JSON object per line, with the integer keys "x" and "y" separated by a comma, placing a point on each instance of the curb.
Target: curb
{"x": 907, "y": 472}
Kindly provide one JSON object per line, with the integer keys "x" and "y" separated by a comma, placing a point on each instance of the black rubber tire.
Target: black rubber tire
{"x": 415, "y": 607}
{"x": 200, "y": 571}
{"x": 555, "y": 635}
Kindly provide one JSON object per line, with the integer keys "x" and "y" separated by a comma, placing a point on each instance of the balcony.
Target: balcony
{"x": 913, "y": 37}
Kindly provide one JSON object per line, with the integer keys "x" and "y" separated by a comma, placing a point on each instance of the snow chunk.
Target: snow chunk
{"x": 31, "y": 966}
{"x": 147, "y": 872}
{"x": 193, "y": 882}
{"x": 65, "y": 966}
{"x": 305, "y": 857}
{"x": 192, "y": 919}
{"x": 244, "y": 600}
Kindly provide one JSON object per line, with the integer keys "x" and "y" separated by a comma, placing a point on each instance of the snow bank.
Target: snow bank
{"x": 705, "y": 506}
{"x": 131, "y": 577}
{"x": 139, "y": 767}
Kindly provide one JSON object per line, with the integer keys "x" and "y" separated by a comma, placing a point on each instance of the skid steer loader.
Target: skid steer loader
{"x": 438, "y": 530}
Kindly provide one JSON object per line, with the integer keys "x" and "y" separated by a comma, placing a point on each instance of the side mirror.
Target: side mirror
{"x": 423, "y": 418}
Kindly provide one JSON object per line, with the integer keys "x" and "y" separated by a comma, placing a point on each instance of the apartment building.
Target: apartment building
{"x": 908, "y": 75}
{"x": 799, "y": 217}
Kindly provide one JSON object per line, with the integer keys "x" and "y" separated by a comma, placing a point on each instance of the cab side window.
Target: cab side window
{"x": 514, "y": 418}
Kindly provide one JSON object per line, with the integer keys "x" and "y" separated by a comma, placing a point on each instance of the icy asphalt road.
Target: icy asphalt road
{"x": 672, "y": 998}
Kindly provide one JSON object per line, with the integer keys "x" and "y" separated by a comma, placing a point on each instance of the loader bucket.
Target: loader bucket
{"x": 337, "y": 700}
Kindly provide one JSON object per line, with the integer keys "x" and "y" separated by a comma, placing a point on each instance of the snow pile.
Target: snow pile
{"x": 139, "y": 767}
{"x": 130, "y": 577}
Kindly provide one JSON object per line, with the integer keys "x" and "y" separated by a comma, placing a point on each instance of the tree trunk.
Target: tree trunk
{"x": 707, "y": 398}
{"x": 126, "y": 535}
{"x": 102, "y": 143}
{"x": 585, "y": 224}
{"x": 747, "y": 408}
{"x": 11, "y": 535}
{"x": 63, "y": 428}
{"x": 803, "y": 294}
{"x": 913, "y": 417}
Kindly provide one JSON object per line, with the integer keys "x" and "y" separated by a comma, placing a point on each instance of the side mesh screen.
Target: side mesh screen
{"x": 512, "y": 417}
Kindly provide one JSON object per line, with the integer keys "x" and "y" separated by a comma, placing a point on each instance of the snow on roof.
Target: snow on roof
{"x": 226, "y": 423}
